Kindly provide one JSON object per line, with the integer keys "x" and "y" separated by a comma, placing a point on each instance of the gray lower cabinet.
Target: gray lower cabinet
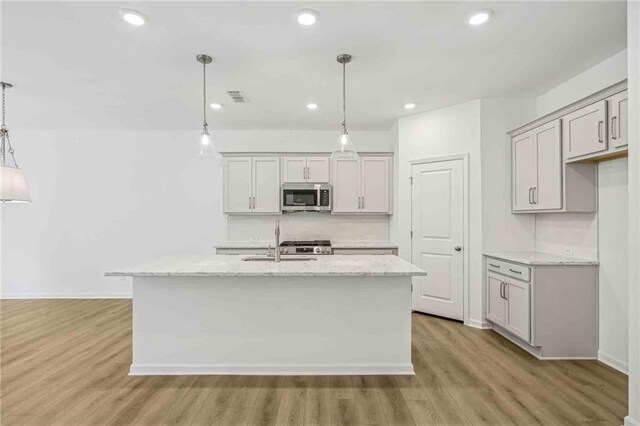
{"x": 549, "y": 310}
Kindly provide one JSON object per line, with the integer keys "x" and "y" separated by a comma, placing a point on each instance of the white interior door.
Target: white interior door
{"x": 437, "y": 200}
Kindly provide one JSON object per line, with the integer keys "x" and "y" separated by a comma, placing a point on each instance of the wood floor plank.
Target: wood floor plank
{"x": 66, "y": 362}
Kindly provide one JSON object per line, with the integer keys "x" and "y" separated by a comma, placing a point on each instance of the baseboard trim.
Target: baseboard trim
{"x": 484, "y": 325}
{"x": 613, "y": 362}
{"x": 271, "y": 370}
{"x": 630, "y": 421}
{"x": 66, "y": 296}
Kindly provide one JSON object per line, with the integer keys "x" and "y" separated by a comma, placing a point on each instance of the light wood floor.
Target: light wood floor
{"x": 65, "y": 362}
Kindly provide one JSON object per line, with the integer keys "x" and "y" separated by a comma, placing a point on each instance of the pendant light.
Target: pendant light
{"x": 344, "y": 146}
{"x": 13, "y": 186}
{"x": 207, "y": 148}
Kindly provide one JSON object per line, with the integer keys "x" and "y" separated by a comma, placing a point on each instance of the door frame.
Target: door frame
{"x": 465, "y": 219}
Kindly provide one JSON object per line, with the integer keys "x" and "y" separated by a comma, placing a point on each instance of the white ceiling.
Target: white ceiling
{"x": 78, "y": 65}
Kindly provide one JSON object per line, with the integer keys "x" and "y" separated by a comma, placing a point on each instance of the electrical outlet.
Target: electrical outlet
{"x": 253, "y": 239}
{"x": 568, "y": 251}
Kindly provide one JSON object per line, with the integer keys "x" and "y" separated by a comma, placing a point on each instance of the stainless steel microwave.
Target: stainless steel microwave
{"x": 300, "y": 197}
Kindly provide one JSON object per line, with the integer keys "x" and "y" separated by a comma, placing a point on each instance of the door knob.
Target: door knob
{"x": 457, "y": 248}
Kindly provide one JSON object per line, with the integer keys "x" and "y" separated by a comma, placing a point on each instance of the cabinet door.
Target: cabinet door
{"x": 547, "y": 192}
{"x": 585, "y": 131}
{"x": 524, "y": 171}
{"x": 294, "y": 169}
{"x": 266, "y": 185}
{"x": 375, "y": 184}
{"x": 346, "y": 186}
{"x": 618, "y": 120}
{"x": 318, "y": 169}
{"x": 518, "y": 318}
{"x": 237, "y": 185}
{"x": 495, "y": 301}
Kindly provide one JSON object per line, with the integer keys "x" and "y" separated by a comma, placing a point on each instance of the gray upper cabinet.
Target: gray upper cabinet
{"x": 537, "y": 169}
{"x": 252, "y": 185}
{"x": 585, "y": 131}
{"x": 618, "y": 120}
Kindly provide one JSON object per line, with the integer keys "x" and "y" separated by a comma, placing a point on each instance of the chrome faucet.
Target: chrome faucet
{"x": 277, "y": 248}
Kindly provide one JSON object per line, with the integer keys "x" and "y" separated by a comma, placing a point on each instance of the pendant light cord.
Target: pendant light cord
{"x": 4, "y": 133}
{"x": 4, "y": 110}
{"x": 344, "y": 97}
{"x": 204, "y": 94}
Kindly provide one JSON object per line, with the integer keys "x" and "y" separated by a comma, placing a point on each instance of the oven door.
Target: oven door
{"x": 300, "y": 199}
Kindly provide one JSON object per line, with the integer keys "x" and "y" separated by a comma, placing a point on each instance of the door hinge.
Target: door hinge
{"x": 410, "y": 180}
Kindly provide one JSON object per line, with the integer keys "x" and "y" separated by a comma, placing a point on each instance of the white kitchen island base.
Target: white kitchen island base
{"x": 334, "y": 315}
{"x": 271, "y": 325}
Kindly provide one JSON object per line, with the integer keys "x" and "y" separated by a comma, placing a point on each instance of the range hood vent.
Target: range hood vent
{"x": 237, "y": 96}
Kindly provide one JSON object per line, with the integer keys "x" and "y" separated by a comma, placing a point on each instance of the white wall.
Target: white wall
{"x": 447, "y": 131}
{"x": 614, "y": 254}
{"x": 633, "y": 45}
{"x": 105, "y": 199}
{"x": 598, "y": 77}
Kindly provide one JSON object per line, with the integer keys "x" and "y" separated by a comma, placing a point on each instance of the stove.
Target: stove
{"x": 306, "y": 247}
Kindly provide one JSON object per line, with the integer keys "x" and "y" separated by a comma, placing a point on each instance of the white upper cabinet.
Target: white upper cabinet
{"x": 585, "y": 130}
{"x": 305, "y": 169}
{"x": 251, "y": 185}
{"x": 294, "y": 169}
{"x": 362, "y": 185}
{"x": 318, "y": 169}
{"x": 346, "y": 186}
{"x": 266, "y": 184}
{"x": 238, "y": 195}
{"x": 618, "y": 120}
{"x": 374, "y": 182}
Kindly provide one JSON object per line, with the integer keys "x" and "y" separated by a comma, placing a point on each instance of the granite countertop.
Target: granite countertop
{"x": 233, "y": 266}
{"x": 336, "y": 245}
{"x": 538, "y": 258}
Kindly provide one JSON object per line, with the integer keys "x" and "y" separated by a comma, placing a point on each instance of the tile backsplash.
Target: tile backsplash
{"x": 309, "y": 226}
{"x": 577, "y": 231}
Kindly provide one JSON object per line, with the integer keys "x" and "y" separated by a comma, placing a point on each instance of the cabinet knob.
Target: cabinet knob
{"x": 457, "y": 248}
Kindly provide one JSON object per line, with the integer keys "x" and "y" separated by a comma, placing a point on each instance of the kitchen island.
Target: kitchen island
{"x": 221, "y": 315}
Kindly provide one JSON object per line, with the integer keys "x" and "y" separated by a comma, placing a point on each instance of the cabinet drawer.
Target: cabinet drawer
{"x": 514, "y": 270}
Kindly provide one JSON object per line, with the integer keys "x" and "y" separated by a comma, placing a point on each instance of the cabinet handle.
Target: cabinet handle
{"x": 515, "y": 272}
{"x": 362, "y": 203}
{"x": 495, "y": 266}
{"x": 249, "y": 203}
{"x": 501, "y": 287}
{"x": 505, "y": 292}
{"x": 530, "y": 189}
{"x": 535, "y": 195}
{"x": 600, "y": 123}
{"x": 613, "y": 127}
{"x": 308, "y": 174}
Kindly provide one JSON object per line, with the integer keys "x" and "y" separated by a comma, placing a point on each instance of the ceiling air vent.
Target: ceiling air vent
{"x": 237, "y": 96}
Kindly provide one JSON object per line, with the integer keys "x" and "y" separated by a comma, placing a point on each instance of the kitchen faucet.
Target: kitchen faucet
{"x": 277, "y": 250}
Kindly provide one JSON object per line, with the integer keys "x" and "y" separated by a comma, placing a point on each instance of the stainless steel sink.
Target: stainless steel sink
{"x": 271, "y": 259}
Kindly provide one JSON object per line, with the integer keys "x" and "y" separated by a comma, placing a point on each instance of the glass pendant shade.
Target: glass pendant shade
{"x": 13, "y": 186}
{"x": 344, "y": 147}
{"x": 207, "y": 147}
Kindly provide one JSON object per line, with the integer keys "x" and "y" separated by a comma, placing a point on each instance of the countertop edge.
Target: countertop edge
{"x": 521, "y": 257}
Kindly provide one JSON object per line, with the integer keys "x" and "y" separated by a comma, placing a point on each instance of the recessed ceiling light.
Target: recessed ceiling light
{"x": 409, "y": 105}
{"x": 307, "y": 17}
{"x": 133, "y": 17}
{"x": 216, "y": 106}
{"x": 480, "y": 17}
{"x": 312, "y": 106}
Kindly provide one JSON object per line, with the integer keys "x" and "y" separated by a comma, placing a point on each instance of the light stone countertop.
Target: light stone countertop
{"x": 232, "y": 266}
{"x": 337, "y": 245}
{"x": 537, "y": 258}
